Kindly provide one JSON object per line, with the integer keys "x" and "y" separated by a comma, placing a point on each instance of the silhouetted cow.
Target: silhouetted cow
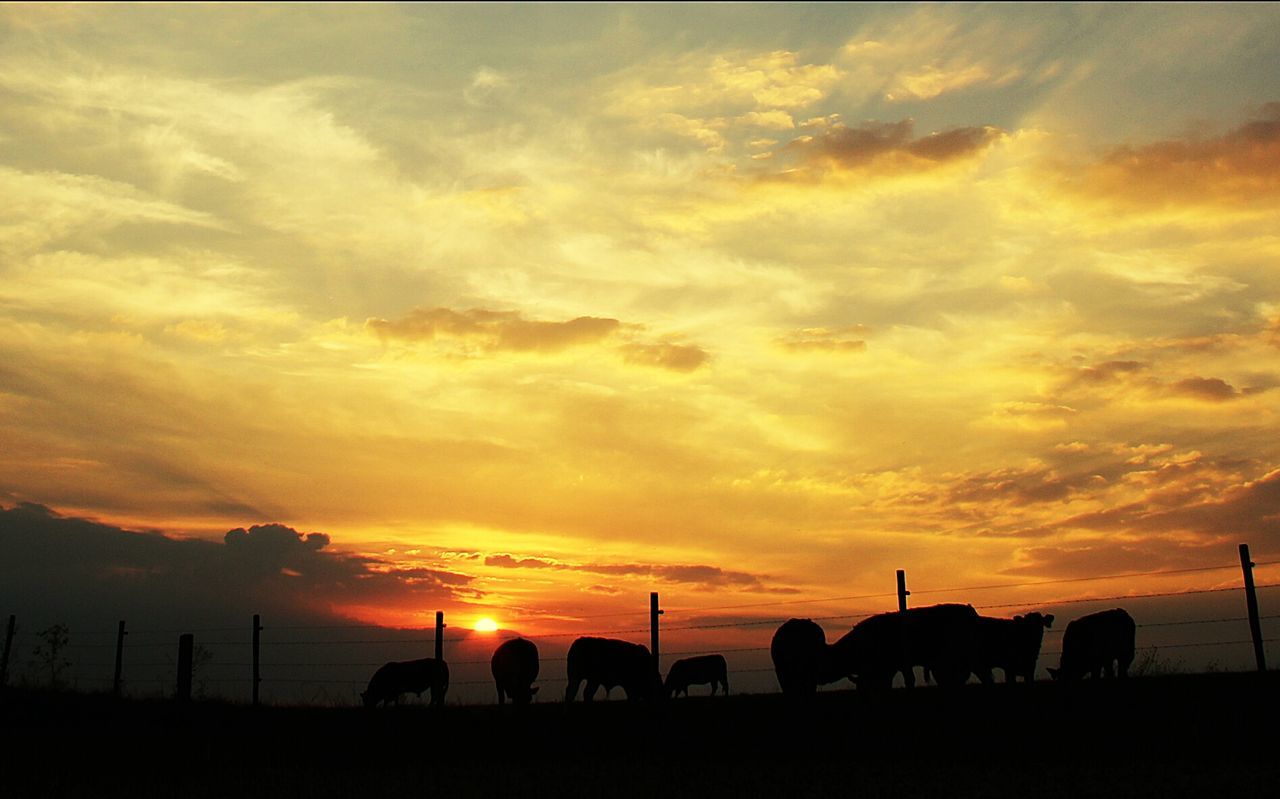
{"x": 515, "y": 667}
{"x": 1011, "y": 645}
{"x": 610, "y": 662}
{"x": 941, "y": 638}
{"x": 701, "y": 670}
{"x": 1096, "y": 643}
{"x": 801, "y": 658}
{"x": 408, "y": 677}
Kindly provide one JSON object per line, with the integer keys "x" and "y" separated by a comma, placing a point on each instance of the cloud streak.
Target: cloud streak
{"x": 479, "y": 332}
{"x": 701, "y": 577}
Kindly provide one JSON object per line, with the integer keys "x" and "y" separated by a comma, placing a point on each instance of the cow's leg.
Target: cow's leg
{"x": 571, "y": 690}
{"x": 589, "y": 693}
{"x": 909, "y": 676}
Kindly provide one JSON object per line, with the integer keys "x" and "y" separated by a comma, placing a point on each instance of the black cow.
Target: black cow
{"x": 515, "y": 667}
{"x": 1011, "y": 645}
{"x": 703, "y": 670}
{"x": 801, "y": 658}
{"x": 408, "y": 677}
{"x": 610, "y": 662}
{"x": 941, "y": 638}
{"x": 1096, "y": 643}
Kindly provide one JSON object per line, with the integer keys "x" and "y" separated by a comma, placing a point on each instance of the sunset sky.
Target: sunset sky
{"x": 524, "y": 311}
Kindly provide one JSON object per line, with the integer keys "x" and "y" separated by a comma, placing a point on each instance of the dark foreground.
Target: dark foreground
{"x": 1187, "y": 735}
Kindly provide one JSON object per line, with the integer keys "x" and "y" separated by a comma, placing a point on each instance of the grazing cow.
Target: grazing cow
{"x": 801, "y": 658}
{"x": 610, "y": 662}
{"x": 515, "y": 667}
{"x": 702, "y": 670}
{"x": 940, "y": 638}
{"x": 1011, "y": 645}
{"x": 1096, "y": 643}
{"x": 408, "y": 677}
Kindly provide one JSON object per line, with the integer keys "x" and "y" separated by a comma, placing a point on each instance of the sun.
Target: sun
{"x": 486, "y": 625}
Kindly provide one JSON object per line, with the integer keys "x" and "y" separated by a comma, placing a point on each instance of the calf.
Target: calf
{"x": 1011, "y": 645}
{"x": 515, "y": 667}
{"x": 408, "y": 677}
{"x": 1094, "y": 644}
{"x": 702, "y": 670}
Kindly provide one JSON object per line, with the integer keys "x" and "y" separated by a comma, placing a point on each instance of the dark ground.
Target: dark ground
{"x": 1183, "y": 735}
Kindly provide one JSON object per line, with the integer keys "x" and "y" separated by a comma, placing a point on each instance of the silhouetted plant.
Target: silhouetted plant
{"x": 50, "y": 653}
{"x": 200, "y": 657}
{"x": 1149, "y": 663}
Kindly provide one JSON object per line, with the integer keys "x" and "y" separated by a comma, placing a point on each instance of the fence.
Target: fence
{"x": 330, "y": 664}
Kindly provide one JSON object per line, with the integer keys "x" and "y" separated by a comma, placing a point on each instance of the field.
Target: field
{"x": 1178, "y": 735}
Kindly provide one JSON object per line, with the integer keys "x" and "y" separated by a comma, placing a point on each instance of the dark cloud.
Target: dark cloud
{"x": 677, "y": 357}
{"x": 494, "y": 330}
{"x": 73, "y": 568}
{"x": 700, "y": 576}
{"x": 480, "y": 331}
{"x": 508, "y": 562}
{"x": 1186, "y": 498}
{"x": 1241, "y": 166}
{"x": 1018, "y": 487}
{"x": 1211, "y": 389}
{"x": 888, "y": 144}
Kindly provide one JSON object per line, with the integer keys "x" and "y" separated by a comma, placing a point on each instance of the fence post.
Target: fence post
{"x": 1251, "y": 598}
{"x": 8, "y": 646}
{"x": 654, "y": 613}
{"x": 186, "y": 645}
{"x": 257, "y": 678}
{"x": 120, "y": 634}
{"x": 903, "y": 593}
{"x": 439, "y": 636}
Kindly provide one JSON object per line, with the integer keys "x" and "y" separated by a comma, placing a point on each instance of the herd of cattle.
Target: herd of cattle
{"x": 948, "y": 642}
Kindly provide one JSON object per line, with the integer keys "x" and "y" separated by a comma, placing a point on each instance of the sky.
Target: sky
{"x": 527, "y": 310}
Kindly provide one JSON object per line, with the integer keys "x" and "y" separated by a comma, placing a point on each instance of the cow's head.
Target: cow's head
{"x": 524, "y": 697}
{"x": 369, "y": 700}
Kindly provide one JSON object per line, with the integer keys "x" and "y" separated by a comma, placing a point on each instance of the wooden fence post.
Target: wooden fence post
{"x": 1251, "y": 598}
{"x": 8, "y": 646}
{"x": 257, "y": 677}
{"x": 186, "y": 645}
{"x": 903, "y": 593}
{"x": 654, "y": 613}
{"x": 120, "y": 634}
{"x": 439, "y": 637}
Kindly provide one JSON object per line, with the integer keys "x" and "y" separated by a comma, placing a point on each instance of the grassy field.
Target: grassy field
{"x": 1180, "y": 735}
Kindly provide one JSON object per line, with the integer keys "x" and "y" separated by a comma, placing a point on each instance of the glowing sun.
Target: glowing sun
{"x": 486, "y": 625}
